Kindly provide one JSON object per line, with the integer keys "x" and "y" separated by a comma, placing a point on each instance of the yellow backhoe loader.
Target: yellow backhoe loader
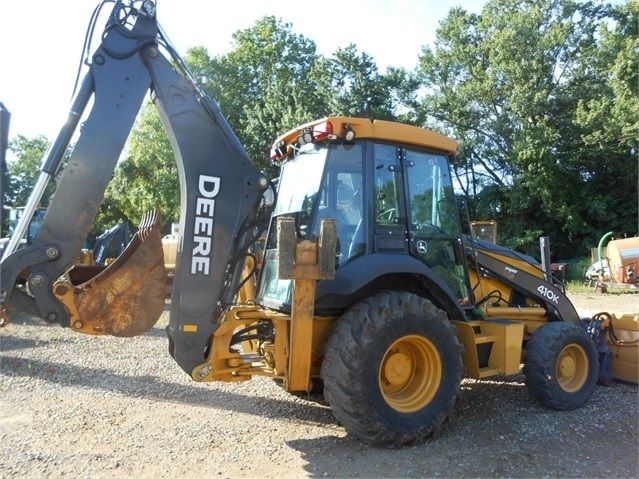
{"x": 367, "y": 288}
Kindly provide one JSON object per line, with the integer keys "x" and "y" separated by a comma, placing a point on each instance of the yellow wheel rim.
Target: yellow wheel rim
{"x": 572, "y": 368}
{"x": 410, "y": 373}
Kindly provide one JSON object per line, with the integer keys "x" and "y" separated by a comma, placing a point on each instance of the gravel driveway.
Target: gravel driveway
{"x": 102, "y": 407}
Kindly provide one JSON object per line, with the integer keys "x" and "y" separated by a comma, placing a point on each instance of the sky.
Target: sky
{"x": 41, "y": 40}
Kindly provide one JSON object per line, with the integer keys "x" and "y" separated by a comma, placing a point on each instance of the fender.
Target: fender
{"x": 358, "y": 274}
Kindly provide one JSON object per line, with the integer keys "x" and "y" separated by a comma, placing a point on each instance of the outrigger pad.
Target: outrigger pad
{"x": 128, "y": 297}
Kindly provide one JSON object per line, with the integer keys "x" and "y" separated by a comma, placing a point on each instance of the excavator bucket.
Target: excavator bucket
{"x": 127, "y": 298}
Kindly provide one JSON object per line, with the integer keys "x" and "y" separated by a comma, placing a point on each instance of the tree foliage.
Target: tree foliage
{"x": 146, "y": 179}
{"x": 514, "y": 85}
{"x": 272, "y": 80}
{"x": 352, "y": 85}
{"x": 24, "y": 172}
{"x": 263, "y": 84}
{"x": 541, "y": 94}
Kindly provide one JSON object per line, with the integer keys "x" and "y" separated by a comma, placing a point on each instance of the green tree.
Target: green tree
{"x": 261, "y": 90}
{"x": 25, "y": 170}
{"x": 505, "y": 83}
{"x": 352, "y": 85}
{"x": 606, "y": 115}
{"x": 264, "y": 85}
{"x": 146, "y": 179}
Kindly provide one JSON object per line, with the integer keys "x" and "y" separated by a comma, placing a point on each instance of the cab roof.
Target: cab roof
{"x": 338, "y": 126}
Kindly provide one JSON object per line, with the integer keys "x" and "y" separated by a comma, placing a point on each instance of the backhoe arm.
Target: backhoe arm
{"x": 220, "y": 191}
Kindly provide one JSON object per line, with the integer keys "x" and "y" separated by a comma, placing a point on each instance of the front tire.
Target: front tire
{"x": 392, "y": 369}
{"x": 561, "y": 368}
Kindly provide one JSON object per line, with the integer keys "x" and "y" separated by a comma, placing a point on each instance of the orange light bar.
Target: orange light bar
{"x": 360, "y": 128}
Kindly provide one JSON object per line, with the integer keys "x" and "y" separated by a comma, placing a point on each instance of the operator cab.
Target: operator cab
{"x": 390, "y": 192}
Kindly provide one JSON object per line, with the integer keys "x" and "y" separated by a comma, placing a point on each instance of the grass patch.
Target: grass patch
{"x": 579, "y": 287}
{"x": 582, "y": 287}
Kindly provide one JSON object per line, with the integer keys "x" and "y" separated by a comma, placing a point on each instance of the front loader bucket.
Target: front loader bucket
{"x": 127, "y": 298}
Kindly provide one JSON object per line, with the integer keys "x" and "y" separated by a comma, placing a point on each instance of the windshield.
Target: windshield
{"x": 320, "y": 182}
{"x": 298, "y": 186}
{"x": 299, "y": 181}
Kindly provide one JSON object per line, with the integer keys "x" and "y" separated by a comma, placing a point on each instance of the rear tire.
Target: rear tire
{"x": 561, "y": 368}
{"x": 392, "y": 369}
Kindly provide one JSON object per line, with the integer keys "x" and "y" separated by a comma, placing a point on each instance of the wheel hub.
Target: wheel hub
{"x": 397, "y": 369}
{"x": 572, "y": 368}
{"x": 410, "y": 373}
{"x": 567, "y": 366}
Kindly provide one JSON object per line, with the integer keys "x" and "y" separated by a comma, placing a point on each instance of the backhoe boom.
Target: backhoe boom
{"x": 219, "y": 186}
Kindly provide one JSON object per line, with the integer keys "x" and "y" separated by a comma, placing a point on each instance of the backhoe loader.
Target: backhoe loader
{"x": 367, "y": 288}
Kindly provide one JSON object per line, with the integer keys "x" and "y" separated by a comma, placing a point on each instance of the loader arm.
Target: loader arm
{"x": 499, "y": 262}
{"x": 219, "y": 186}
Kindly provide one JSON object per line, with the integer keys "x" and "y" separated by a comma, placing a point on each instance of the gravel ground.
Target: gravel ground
{"x": 101, "y": 407}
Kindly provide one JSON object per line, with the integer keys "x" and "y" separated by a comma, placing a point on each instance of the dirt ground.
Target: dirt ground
{"x": 84, "y": 407}
{"x": 588, "y": 303}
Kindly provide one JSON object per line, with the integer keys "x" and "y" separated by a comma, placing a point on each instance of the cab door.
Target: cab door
{"x": 389, "y": 223}
{"x": 434, "y": 228}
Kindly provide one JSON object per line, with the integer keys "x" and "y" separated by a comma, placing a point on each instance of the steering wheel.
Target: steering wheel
{"x": 429, "y": 229}
{"x": 345, "y": 193}
{"x": 387, "y": 215}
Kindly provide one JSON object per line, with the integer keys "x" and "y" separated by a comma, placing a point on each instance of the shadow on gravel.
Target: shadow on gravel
{"x": 152, "y": 388}
{"x": 7, "y": 344}
{"x": 264, "y": 404}
{"x": 156, "y": 332}
{"x": 27, "y": 320}
{"x": 496, "y": 430}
